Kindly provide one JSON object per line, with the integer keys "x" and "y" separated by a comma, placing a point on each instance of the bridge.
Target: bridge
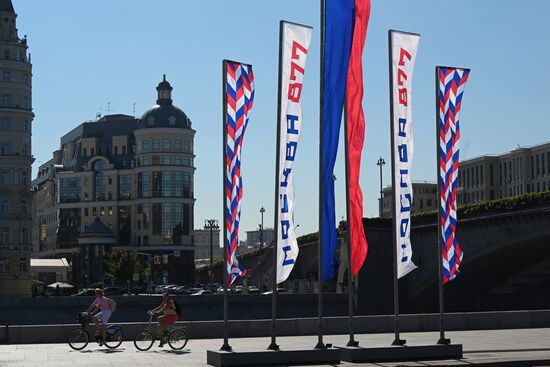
{"x": 506, "y": 265}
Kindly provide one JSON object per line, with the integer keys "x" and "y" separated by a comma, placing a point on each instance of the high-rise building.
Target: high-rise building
{"x": 121, "y": 183}
{"x": 253, "y": 238}
{"x": 202, "y": 239}
{"x": 15, "y": 156}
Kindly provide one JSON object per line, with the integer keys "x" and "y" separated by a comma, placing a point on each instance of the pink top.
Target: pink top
{"x": 102, "y": 303}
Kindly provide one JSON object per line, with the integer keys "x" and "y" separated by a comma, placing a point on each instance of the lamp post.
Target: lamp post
{"x": 211, "y": 224}
{"x": 381, "y": 162}
{"x": 262, "y": 211}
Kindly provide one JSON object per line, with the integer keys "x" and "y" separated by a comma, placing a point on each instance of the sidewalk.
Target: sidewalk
{"x": 481, "y": 348}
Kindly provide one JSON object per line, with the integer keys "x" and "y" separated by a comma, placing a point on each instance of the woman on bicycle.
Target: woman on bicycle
{"x": 169, "y": 317}
{"x": 102, "y": 317}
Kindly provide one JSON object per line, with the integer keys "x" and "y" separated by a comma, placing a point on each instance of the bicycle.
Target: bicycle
{"x": 145, "y": 338}
{"x": 80, "y": 337}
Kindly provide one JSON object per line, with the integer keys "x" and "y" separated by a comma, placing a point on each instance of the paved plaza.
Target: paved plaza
{"x": 496, "y": 347}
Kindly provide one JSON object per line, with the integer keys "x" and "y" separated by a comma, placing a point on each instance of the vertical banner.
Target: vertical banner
{"x": 239, "y": 100}
{"x": 337, "y": 45}
{"x": 355, "y": 137}
{"x": 294, "y": 45}
{"x": 403, "y": 48}
{"x": 451, "y": 82}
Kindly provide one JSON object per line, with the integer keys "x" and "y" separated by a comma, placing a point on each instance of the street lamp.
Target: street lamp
{"x": 381, "y": 162}
{"x": 262, "y": 211}
{"x": 211, "y": 224}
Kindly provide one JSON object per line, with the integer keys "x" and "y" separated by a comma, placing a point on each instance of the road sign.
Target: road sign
{"x": 147, "y": 271}
{"x": 136, "y": 277}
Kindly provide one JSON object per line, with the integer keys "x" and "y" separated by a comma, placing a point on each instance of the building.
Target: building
{"x": 520, "y": 171}
{"x": 253, "y": 238}
{"x": 121, "y": 183}
{"x": 424, "y": 198}
{"x": 16, "y": 158}
{"x": 202, "y": 239}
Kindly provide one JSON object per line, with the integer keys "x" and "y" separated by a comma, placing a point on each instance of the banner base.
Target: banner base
{"x": 328, "y": 356}
{"x": 396, "y": 354}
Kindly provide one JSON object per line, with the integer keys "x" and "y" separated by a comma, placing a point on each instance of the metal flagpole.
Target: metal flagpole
{"x": 273, "y": 345}
{"x": 442, "y": 339}
{"x": 397, "y": 340}
{"x": 225, "y": 347}
{"x": 352, "y": 342}
{"x": 320, "y": 344}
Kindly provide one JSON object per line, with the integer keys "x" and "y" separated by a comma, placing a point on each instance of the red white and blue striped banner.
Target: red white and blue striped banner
{"x": 403, "y": 48}
{"x": 240, "y": 97}
{"x": 451, "y": 82}
{"x": 295, "y": 43}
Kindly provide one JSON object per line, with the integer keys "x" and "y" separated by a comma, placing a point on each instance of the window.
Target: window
{"x": 166, "y": 160}
{"x": 167, "y": 144}
{"x": 68, "y": 190}
{"x": 24, "y": 236}
{"x": 177, "y": 145}
{"x": 6, "y": 76}
{"x": 156, "y": 144}
{"x": 22, "y": 265}
{"x": 7, "y": 54}
{"x": 139, "y": 146}
{"x": 144, "y": 185}
{"x": 86, "y": 212}
{"x": 110, "y": 210}
{"x": 6, "y": 100}
{"x": 187, "y": 146}
{"x": 84, "y": 152}
{"x": 24, "y": 207}
{"x": 4, "y": 265}
{"x": 6, "y": 125}
{"x": 5, "y": 149}
{"x": 94, "y": 211}
{"x": 4, "y": 235}
{"x": 4, "y": 206}
{"x": 156, "y": 160}
{"x": 5, "y": 177}
{"x": 177, "y": 160}
{"x": 146, "y": 145}
{"x": 146, "y": 161}
{"x": 99, "y": 187}
{"x": 125, "y": 187}
{"x": 116, "y": 150}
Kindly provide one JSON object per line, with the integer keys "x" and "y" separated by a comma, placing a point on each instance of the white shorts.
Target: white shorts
{"x": 103, "y": 316}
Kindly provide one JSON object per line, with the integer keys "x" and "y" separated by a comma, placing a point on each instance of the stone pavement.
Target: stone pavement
{"x": 481, "y": 348}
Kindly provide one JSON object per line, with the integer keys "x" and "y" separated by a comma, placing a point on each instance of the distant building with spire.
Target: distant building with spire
{"x": 16, "y": 158}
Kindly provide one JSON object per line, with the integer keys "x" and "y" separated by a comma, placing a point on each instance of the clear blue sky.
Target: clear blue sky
{"x": 89, "y": 53}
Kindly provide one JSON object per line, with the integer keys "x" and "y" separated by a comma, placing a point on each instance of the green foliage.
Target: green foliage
{"x": 123, "y": 264}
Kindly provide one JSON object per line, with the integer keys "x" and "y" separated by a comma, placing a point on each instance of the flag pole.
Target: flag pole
{"x": 273, "y": 345}
{"x": 442, "y": 340}
{"x": 320, "y": 344}
{"x": 351, "y": 290}
{"x": 397, "y": 340}
{"x": 225, "y": 347}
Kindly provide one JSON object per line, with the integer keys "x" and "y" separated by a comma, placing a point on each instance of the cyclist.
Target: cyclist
{"x": 169, "y": 317}
{"x": 102, "y": 317}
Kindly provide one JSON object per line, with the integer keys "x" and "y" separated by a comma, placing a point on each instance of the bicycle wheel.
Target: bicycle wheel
{"x": 177, "y": 339}
{"x": 78, "y": 339}
{"x": 144, "y": 340}
{"x": 114, "y": 340}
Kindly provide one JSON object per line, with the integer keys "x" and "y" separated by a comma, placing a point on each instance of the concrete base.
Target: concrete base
{"x": 400, "y": 353}
{"x": 328, "y": 356}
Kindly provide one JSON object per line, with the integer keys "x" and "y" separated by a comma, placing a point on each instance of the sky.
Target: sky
{"x": 105, "y": 55}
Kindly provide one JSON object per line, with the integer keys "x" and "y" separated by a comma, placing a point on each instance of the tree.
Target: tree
{"x": 123, "y": 264}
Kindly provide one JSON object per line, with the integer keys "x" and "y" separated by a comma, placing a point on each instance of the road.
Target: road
{"x": 498, "y": 347}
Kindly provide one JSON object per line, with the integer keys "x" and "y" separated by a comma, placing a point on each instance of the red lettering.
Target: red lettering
{"x": 295, "y": 47}
{"x": 293, "y": 68}
{"x": 401, "y": 77}
{"x": 402, "y": 54}
{"x": 295, "y": 92}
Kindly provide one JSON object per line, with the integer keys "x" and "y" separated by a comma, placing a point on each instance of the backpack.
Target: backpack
{"x": 177, "y": 308}
{"x": 112, "y": 304}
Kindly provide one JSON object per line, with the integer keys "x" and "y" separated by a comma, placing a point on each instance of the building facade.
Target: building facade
{"x": 424, "y": 198}
{"x": 134, "y": 176}
{"x": 520, "y": 171}
{"x": 16, "y": 116}
{"x": 202, "y": 238}
{"x": 253, "y": 238}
